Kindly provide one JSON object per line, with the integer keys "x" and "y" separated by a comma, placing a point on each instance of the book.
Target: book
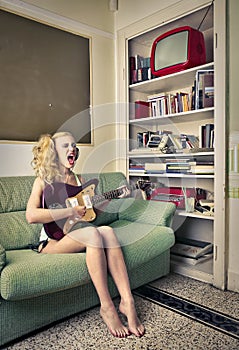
{"x": 182, "y": 101}
{"x": 137, "y": 171}
{"x": 139, "y": 69}
{"x": 132, "y": 70}
{"x": 176, "y": 141}
{"x": 207, "y": 90}
{"x": 155, "y": 167}
{"x": 202, "y": 169}
{"x": 136, "y": 168}
{"x": 199, "y": 87}
{"x": 182, "y": 167}
{"x": 192, "y": 141}
{"x": 159, "y": 104}
{"x": 191, "y": 261}
{"x": 143, "y": 138}
{"x": 209, "y": 135}
{"x": 171, "y": 104}
{"x": 206, "y": 135}
{"x": 191, "y": 248}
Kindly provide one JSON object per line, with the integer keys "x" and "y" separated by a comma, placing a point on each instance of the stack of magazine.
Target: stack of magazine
{"x": 190, "y": 251}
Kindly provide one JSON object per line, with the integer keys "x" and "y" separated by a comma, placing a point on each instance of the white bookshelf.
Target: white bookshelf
{"x": 137, "y": 39}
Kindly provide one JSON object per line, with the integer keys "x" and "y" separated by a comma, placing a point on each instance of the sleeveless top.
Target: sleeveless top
{"x": 53, "y": 197}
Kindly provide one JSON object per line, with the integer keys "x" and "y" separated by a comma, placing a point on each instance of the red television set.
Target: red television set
{"x": 176, "y": 50}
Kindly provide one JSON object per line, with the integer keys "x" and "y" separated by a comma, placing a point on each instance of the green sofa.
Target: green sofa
{"x": 38, "y": 289}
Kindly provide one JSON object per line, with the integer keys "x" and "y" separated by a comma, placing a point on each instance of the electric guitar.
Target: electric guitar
{"x": 61, "y": 195}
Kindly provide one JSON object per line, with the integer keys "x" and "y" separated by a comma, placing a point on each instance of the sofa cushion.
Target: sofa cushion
{"x": 2, "y": 257}
{"x": 15, "y": 232}
{"x": 142, "y": 242}
{"x": 28, "y": 274}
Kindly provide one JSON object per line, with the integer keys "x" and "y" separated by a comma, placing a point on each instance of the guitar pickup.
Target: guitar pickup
{"x": 72, "y": 202}
{"x": 87, "y": 201}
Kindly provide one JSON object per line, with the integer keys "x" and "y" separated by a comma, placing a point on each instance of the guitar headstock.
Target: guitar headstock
{"x": 144, "y": 185}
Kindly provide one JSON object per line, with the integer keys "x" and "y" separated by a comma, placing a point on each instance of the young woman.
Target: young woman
{"x": 54, "y": 159}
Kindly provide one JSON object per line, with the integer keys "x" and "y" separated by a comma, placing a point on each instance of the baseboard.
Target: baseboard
{"x": 233, "y": 281}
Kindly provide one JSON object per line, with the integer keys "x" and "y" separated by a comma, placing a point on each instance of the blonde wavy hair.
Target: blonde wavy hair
{"x": 45, "y": 160}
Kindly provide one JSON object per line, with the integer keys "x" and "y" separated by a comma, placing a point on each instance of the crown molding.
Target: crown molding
{"x": 50, "y": 18}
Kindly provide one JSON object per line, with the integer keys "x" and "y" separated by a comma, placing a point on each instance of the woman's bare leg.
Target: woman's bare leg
{"x": 97, "y": 267}
{"x": 118, "y": 271}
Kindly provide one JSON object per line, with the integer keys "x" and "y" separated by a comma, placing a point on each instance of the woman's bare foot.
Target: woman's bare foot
{"x": 135, "y": 326}
{"x": 112, "y": 320}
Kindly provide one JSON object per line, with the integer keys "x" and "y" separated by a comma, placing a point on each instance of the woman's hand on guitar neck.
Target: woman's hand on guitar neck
{"x": 125, "y": 191}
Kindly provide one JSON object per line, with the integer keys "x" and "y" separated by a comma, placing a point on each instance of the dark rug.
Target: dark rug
{"x": 199, "y": 313}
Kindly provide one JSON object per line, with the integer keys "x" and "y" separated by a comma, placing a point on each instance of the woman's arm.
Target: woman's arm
{"x": 36, "y": 214}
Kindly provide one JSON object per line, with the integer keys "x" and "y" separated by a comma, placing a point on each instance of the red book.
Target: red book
{"x": 142, "y": 109}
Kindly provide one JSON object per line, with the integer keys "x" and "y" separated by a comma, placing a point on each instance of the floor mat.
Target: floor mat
{"x": 199, "y": 313}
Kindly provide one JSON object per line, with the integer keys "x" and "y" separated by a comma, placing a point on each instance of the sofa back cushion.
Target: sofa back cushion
{"x": 15, "y": 232}
{"x": 14, "y": 192}
{"x": 154, "y": 212}
{"x": 107, "y": 212}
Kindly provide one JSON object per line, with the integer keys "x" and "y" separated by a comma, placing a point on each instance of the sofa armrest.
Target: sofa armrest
{"x": 2, "y": 257}
{"x": 150, "y": 212}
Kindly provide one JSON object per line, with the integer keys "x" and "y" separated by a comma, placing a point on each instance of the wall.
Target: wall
{"x": 134, "y": 10}
{"x": 93, "y": 13}
{"x": 233, "y": 207}
{"x": 91, "y": 18}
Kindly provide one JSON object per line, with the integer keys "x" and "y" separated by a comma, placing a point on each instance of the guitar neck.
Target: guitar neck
{"x": 112, "y": 194}
{"x": 107, "y": 195}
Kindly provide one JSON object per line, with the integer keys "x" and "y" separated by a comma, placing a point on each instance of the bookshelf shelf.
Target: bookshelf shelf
{"x": 171, "y": 175}
{"x": 170, "y": 82}
{"x": 190, "y": 116}
{"x": 202, "y": 271}
{"x": 195, "y": 215}
{"x": 151, "y": 154}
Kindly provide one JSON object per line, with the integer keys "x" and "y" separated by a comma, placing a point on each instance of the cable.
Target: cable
{"x": 205, "y": 15}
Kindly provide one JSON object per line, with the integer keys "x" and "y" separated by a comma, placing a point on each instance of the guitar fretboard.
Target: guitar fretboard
{"x": 108, "y": 195}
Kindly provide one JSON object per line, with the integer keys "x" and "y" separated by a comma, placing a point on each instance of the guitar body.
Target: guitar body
{"x": 83, "y": 198}
{"x": 61, "y": 195}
